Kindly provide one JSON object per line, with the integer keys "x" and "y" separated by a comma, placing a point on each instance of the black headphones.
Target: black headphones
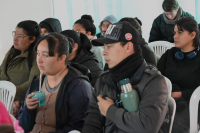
{"x": 179, "y": 55}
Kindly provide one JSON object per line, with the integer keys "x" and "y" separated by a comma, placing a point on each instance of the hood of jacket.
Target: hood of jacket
{"x": 83, "y": 56}
{"x": 53, "y": 23}
{"x": 143, "y": 42}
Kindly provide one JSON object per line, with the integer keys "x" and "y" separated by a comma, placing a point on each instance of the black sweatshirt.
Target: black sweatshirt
{"x": 184, "y": 74}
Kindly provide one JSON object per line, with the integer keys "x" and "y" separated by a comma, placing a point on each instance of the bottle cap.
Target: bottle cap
{"x": 124, "y": 81}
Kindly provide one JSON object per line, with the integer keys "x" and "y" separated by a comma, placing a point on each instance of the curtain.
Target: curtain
{"x": 197, "y": 9}
{"x": 68, "y": 11}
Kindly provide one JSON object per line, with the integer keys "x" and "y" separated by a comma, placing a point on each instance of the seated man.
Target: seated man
{"x": 162, "y": 28}
{"x": 104, "y": 25}
{"x": 103, "y": 28}
{"x": 124, "y": 58}
{"x": 66, "y": 90}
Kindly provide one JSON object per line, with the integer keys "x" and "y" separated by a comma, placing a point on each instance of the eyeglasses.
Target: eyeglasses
{"x": 20, "y": 37}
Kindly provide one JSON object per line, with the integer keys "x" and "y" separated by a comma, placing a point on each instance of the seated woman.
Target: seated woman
{"x": 85, "y": 25}
{"x": 81, "y": 53}
{"x": 181, "y": 64}
{"x": 67, "y": 91}
{"x": 19, "y": 65}
{"x": 147, "y": 52}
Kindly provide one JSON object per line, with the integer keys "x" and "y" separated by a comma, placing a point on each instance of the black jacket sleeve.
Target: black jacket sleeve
{"x": 155, "y": 33}
{"x": 78, "y": 103}
{"x": 26, "y": 116}
{"x": 94, "y": 121}
{"x": 161, "y": 65}
{"x": 95, "y": 70}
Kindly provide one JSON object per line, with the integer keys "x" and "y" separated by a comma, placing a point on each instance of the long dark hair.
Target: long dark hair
{"x": 32, "y": 29}
{"x": 81, "y": 39}
{"x": 87, "y": 22}
{"x": 189, "y": 24}
{"x": 57, "y": 43}
{"x": 134, "y": 21}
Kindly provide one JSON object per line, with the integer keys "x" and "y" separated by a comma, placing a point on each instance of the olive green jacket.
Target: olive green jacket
{"x": 19, "y": 73}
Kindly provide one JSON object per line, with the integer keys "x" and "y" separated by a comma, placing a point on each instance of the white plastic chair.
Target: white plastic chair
{"x": 194, "y": 104}
{"x": 171, "y": 103}
{"x": 74, "y": 131}
{"x": 172, "y": 111}
{"x": 169, "y": 86}
{"x": 159, "y": 47}
{"x": 7, "y": 94}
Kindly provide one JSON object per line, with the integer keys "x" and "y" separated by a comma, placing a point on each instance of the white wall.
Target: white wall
{"x": 14, "y": 11}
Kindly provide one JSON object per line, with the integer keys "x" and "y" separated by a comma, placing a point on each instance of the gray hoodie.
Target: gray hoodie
{"x": 98, "y": 52}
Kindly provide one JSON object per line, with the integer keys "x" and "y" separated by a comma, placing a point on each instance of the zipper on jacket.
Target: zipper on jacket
{"x": 118, "y": 102}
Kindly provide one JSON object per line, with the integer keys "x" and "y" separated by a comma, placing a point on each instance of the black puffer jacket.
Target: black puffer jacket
{"x": 161, "y": 31}
{"x": 53, "y": 23}
{"x": 153, "y": 105}
{"x": 89, "y": 60}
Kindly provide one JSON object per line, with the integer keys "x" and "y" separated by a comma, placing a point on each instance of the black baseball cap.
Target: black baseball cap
{"x": 119, "y": 32}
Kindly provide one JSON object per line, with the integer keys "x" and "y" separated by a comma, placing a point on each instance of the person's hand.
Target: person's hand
{"x": 31, "y": 103}
{"x": 104, "y": 104}
{"x": 16, "y": 107}
{"x": 176, "y": 94}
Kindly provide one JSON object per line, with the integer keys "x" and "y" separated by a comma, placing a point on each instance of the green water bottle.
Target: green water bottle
{"x": 129, "y": 96}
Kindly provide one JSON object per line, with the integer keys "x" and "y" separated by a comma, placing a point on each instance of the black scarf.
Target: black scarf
{"x": 127, "y": 67}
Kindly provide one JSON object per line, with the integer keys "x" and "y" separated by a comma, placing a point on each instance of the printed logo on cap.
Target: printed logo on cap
{"x": 113, "y": 32}
{"x": 128, "y": 36}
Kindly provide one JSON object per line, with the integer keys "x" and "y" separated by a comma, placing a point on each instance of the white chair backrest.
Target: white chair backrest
{"x": 7, "y": 94}
{"x": 169, "y": 86}
{"x": 172, "y": 111}
{"x": 74, "y": 131}
{"x": 159, "y": 47}
{"x": 171, "y": 103}
{"x": 194, "y": 104}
